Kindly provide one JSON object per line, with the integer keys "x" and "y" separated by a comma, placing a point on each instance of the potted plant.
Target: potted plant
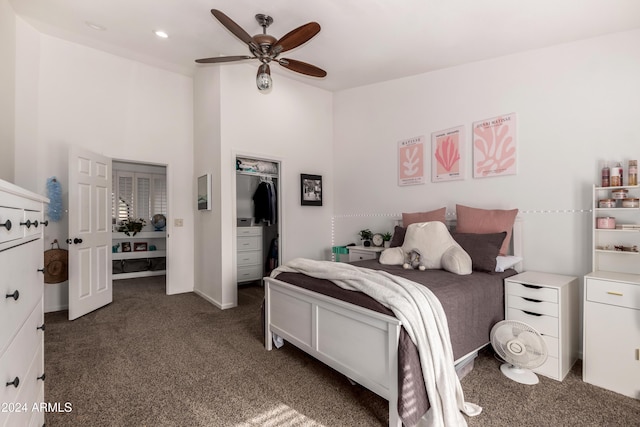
{"x": 387, "y": 239}
{"x": 132, "y": 225}
{"x": 366, "y": 236}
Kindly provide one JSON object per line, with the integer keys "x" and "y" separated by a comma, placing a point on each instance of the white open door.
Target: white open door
{"x": 90, "y": 283}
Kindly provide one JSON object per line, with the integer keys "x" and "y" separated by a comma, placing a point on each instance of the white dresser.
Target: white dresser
{"x": 549, "y": 304}
{"x": 612, "y": 332}
{"x": 361, "y": 253}
{"x": 249, "y": 256}
{"x": 21, "y": 307}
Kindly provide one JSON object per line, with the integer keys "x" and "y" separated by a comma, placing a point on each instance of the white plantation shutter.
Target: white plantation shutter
{"x": 159, "y": 195}
{"x": 143, "y": 200}
{"x": 125, "y": 202}
{"x": 143, "y": 197}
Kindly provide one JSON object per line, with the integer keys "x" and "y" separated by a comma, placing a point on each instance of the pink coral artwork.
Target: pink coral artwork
{"x": 447, "y": 148}
{"x": 494, "y": 146}
{"x": 411, "y": 161}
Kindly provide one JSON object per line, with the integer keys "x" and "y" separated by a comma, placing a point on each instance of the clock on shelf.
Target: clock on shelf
{"x": 377, "y": 239}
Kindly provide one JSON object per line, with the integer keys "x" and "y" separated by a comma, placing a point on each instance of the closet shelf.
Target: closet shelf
{"x": 139, "y": 254}
{"x": 261, "y": 174}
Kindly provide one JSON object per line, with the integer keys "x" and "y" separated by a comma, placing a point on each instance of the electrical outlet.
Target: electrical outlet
{"x": 178, "y": 222}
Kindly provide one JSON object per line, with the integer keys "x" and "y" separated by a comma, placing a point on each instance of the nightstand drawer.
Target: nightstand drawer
{"x": 613, "y": 293}
{"x": 544, "y": 324}
{"x": 355, "y": 255}
{"x": 536, "y": 292}
{"x": 533, "y": 305}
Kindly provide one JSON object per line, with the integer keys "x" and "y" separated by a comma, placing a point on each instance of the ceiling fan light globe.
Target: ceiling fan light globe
{"x": 264, "y": 82}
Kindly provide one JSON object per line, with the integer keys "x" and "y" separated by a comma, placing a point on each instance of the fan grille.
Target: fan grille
{"x": 518, "y": 344}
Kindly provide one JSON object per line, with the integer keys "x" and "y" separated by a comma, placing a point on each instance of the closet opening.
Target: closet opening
{"x": 139, "y": 220}
{"x": 258, "y": 225}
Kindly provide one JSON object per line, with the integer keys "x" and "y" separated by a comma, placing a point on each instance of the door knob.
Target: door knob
{"x": 76, "y": 240}
{"x": 15, "y": 295}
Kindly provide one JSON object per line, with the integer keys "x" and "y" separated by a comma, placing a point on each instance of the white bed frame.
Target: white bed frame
{"x": 361, "y": 344}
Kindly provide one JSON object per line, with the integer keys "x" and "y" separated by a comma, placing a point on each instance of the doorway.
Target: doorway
{"x": 139, "y": 218}
{"x": 258, "y": 218}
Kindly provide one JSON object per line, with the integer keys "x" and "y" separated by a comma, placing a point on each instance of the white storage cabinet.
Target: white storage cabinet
{"x": 549, "y": 304}
{"x": 611, "y": 328}
{"x": 21, "y": 307}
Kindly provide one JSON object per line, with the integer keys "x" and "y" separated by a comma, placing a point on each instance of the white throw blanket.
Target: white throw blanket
{"x": 422, "y": 317}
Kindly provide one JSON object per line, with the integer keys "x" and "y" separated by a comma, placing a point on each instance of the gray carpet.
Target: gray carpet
{"x": 149, "y": 359}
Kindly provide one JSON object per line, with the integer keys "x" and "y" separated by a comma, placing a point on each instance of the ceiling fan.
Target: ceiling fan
{"x": 267, "y": 48}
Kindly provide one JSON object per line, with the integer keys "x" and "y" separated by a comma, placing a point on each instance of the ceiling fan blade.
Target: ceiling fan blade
{"x": 236, "y": 29}
{"x": 218, "y": 59}
{"x": 302, "y": 67}
{"x": 295, "y": 38}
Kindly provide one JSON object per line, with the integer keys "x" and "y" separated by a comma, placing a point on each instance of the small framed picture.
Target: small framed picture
{"x": 140, "y": 247}
{"x": 126, "y": 246}
{"x": 310, "y": 190}
{"x": 204, "y": 192}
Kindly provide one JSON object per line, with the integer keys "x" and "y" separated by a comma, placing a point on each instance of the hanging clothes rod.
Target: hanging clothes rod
{"x": 260, "y": 174}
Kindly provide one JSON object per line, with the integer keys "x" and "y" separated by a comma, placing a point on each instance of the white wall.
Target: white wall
{"x": 292, "y": 124}
{"x": 7, "y": 89}
{"x": 577, "y": 105}
{"x": 68, "y": 94}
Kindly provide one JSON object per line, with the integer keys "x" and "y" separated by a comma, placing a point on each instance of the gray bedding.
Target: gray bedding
{"x": 472, "y": 303}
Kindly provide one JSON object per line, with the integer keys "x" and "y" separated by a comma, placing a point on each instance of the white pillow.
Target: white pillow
{"x": 432, "y": 240}
{"x": 392, "y": 256}
{"x": 505, "y": 262}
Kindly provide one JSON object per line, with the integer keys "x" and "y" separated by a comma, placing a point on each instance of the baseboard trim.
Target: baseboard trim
{"x": 213, "y": 301}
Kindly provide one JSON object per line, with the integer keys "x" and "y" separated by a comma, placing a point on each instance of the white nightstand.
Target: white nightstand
{"x": 549, "y": 304}
{"x": 361, "y": 253}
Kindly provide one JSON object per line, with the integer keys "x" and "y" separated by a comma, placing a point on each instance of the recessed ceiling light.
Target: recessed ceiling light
{"x": 95, "y": 26}
{"x": 161, "y": 34}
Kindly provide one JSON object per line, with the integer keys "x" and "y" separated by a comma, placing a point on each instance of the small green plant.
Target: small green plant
{"x": 132, "y": 225}
{"x": 366, "y": 234}
{"x": 387, "y": 236}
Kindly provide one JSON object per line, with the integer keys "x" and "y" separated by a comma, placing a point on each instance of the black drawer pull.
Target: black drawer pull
{"x": 41, "y": 377}
{"x": 28, "y": 223}
{"x": 7, "y": 224}
{"x": 36, "y": 223}
{"x": 14, "y": 383}
{"x": 531, "y": 299}
{"x": 41, "y": 270}
{"x": 531, "y": 286}
{"x": 40, "y": 327}
{"x": 530, "y": 313}
{"x": 45, "y": 223}
{"x": 15, "y": 295}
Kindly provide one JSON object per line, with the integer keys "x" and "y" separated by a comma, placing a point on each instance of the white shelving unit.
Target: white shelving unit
{"x": 611, "y": 340}
{"x": 156, "y": 238}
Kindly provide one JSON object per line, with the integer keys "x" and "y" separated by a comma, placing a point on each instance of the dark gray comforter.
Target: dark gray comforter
{"x": 472, "y": 303}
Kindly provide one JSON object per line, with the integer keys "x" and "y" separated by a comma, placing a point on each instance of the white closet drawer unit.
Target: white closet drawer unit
{"x": 549, "y": 304}
{"x": 21, "y": 309}
{"x": 249, "y": 254}
{"x": 612, "y": 332}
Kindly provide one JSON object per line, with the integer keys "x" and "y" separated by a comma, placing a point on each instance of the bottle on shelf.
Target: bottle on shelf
{"x": 616, "y": 175}
{"x": 605, "y": 175}
{"x": 633, "y": 172}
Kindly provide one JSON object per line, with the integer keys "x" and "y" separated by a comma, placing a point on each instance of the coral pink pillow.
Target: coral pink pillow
{"x": 411, "y": 218}
{"x": 484, "y": 221}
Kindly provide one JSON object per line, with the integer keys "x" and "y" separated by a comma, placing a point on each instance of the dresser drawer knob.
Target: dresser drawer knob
{"x": 14, "y": 383}
{"x": 15, "y": 295}
{"x": 7, "y": 224}
{"x": 531, "y": 299}
{"x": 28, "y": 223}
{"x": 45, "y": 223}
{"x": 41, "y": 327}
{"x": 532, "y": 286}
{"x": 41, "y": 377}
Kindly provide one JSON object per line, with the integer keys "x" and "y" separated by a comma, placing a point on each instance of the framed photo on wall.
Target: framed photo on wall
{"x": 310, "y": 190}
{"x": 204, "y": 192}
{"x": 447, "y": 154}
